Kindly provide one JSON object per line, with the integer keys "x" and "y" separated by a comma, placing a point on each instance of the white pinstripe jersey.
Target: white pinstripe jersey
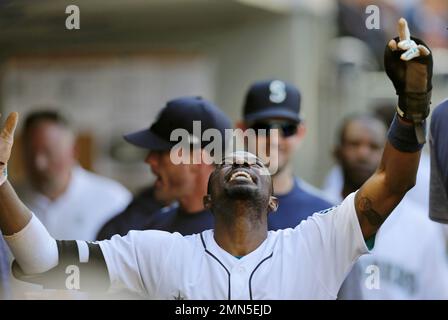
{"x": 307, "y": 262}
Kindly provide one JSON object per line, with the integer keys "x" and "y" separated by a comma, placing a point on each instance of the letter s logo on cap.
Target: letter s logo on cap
{"x": 278, "y": 91}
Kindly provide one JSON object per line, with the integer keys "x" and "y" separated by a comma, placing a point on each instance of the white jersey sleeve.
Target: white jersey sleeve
{"x": 138, "y": 260}
{"x": 434, "y": 268}
{"x": 334, "y": 241}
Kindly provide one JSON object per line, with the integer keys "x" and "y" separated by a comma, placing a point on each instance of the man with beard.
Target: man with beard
{"x": 184, "y": 182}
{"x": 367, "y": 156}
{"x": 394, "y": 270}
{"x": 239, "y": 259}
{"x": 361, "y": 140}
{"x": 180, "y": 186}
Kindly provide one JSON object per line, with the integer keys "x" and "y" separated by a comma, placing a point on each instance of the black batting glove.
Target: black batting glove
{"x": 408, "y": 64}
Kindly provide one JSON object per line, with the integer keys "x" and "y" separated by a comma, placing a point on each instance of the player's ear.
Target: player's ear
{"x": 273, "y": 204}
{"x": 207, "y": 200}
{"x": 301, "y": 130}
{"x": 300, "y": 133}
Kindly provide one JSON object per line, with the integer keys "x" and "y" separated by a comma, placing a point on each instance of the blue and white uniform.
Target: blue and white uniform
{"x": 297, "y": 205}
{"x": 307, "y": 262}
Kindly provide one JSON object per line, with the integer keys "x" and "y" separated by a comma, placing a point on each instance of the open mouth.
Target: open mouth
{"x": 241, "y": 176}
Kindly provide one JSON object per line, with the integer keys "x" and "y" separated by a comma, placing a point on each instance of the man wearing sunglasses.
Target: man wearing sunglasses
{"x": 275, "y": 104}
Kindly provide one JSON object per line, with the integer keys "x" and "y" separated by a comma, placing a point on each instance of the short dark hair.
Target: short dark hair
{"x": 53, "y": 116}
{"x": 355, "y": 117}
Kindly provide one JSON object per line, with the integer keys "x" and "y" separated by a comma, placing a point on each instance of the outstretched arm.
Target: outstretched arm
{"x": 40, "y": 258}
{"x": 408, "y": 64}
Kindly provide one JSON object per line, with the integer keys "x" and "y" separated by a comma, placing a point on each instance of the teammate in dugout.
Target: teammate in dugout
{"x": 240, "y": 259}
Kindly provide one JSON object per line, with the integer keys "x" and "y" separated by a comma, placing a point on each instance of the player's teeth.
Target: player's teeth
{"x": 241, "y": 173}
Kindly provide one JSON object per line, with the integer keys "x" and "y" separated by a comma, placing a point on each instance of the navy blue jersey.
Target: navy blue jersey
{"x": 302, "y": 201}
{"x": 136, "y": 216}
{"x": 438, "y": 194}
{"x": 174, "y": 219}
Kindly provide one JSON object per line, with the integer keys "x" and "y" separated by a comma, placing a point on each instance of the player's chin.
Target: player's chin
{"x": 241, "y": 191}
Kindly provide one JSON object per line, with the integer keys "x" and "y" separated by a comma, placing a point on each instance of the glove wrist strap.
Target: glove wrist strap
{"x": 414, "y": 106}
{"x": 404, "y": 137}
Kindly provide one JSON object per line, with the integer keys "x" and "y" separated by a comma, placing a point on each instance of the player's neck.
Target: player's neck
{"x": 241, "y": 234}
{"x": 283, "y": 181}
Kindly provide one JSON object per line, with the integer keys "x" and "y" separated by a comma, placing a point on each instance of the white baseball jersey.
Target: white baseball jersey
{"x": 408, "y": 261}
{"x": 307, "y": 262}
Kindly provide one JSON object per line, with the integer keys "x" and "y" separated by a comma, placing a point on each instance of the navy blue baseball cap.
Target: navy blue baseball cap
{"x": 180, "y": 114}
{"x": 272, "y": 99}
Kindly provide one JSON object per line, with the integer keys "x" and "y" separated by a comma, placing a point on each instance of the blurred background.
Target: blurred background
{"x": 129, "y": 57}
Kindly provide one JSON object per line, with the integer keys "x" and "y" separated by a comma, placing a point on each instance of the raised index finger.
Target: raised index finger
{"x": 403, "y": 30}
{"x": 10, "y": 126}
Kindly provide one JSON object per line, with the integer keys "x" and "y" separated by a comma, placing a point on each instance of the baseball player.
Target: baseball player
{"x": 275, "y": 104}
{"x": 185, "y": 184}
{"x": 239, "y": 259}
{"x": 394, "y": 270}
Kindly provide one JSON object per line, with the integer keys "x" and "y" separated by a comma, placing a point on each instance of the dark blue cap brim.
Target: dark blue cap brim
{"x": 148, "y": 140}
{"x": 274, "y": 112}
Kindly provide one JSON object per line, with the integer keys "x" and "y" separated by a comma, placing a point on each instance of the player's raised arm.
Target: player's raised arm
{"x": 408, "y": 63}
{"x": 14, "y": 216}
{"x": 74, "y": 265}
{"x": 29, "y": 241}
{"x": 40, "y": 258}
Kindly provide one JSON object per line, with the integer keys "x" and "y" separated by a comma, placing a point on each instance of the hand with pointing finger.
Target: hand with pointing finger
{"x": 6, "y": 142}
{"x": 408, "y": 64}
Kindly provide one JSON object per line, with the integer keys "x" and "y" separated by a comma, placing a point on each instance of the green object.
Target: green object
{"x": 370, "y": 243}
